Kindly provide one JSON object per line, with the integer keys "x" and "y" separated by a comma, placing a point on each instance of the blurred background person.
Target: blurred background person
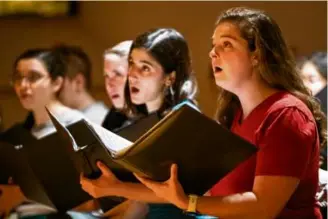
{"x": 37, "y": 78}
{"x": 119, "y": 116}
{"x": 115, "y": 72}
{"x": 314, "y": 73}
{"x": 75, "y": 92}
{"x": 115, "y": 78}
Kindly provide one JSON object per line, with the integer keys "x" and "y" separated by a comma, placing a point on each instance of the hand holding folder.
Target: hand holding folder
{"x": 170, "y": 190}
{"x": 48, "y": 170}
{"x": 204, "y": 150}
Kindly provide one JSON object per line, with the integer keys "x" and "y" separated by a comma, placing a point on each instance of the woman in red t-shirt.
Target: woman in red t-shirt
{"x": 263, "y": 99}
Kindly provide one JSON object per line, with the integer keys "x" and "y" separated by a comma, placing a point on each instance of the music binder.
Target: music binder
{"x": 35, "y": 164}
{"x": 204, "y": 150}
{"x": 46, "y": 170}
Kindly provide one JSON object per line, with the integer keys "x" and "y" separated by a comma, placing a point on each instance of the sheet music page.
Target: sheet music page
{"x": 113, "y": 143}
{"x": 33, "y": 208}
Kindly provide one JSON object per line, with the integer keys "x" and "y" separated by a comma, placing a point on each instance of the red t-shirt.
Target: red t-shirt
{"x": 284, "y": 130}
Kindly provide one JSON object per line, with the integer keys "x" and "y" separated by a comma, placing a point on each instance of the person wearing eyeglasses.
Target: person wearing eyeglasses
{"x": 37, "y": 78}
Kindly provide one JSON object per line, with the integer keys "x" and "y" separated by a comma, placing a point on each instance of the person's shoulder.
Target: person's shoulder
{"x": 96, "y": 112}
{"x": 16, "y": 128}
{"x": 114, "y": 119}
{"x": 288, "y": 104}
{"x": 97, "y": 107}
{"x": 10, "y": 134}
{"x": 68, "y": 115}
{"x": 288, "y": 114}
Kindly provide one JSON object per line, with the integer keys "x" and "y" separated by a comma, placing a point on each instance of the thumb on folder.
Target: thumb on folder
{"x": 170, "y": 190}
{"x": 104, "y": 170}
{"x": 102, "y": 186}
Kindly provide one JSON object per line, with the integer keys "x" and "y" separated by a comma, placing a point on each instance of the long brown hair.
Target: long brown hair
{"x": 277, "y": 66}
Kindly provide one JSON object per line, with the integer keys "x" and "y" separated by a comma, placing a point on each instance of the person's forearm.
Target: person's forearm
{"x": 136, "y": 191}
{"x": 11, "y": 196}
{"x": 245, "y": 205}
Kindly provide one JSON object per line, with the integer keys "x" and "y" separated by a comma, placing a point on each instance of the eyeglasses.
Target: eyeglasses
{"x": 32, "y": 78}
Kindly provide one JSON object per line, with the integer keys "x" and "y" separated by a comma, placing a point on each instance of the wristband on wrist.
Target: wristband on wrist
{"x": 192, "y": 205}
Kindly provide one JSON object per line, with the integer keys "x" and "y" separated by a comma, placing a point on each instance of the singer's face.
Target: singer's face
{"x": 146, "y": 77}
{"x": 312, "y": 78}
{"x": 33, "y": 84}
{"x": 230, "y": 56}
{"x": 115, "y": 72}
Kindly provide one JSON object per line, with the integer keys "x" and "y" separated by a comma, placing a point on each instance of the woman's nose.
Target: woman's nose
{"x": 132, "y": 73}
{"x": 212, "y": 54}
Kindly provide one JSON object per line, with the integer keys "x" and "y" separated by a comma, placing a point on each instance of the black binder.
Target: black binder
{"x": 46, "y": 169}
{"x": 204, "y": 150}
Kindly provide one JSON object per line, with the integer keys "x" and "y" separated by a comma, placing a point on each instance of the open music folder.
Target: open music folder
{"x": 48, "y": 169}
{"x": 203, "y": 150}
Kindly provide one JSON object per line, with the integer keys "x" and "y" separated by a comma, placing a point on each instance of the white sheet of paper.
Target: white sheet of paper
{"x": 112, "y": 141}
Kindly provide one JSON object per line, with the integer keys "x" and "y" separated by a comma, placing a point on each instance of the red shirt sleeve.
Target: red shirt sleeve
{"x": 287, "y": 140}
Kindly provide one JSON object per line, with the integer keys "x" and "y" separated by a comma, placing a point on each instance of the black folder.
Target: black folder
{"x": 204, "y": 150}
{"x": 136, "y": 129}
{"x": 47, "y": 170}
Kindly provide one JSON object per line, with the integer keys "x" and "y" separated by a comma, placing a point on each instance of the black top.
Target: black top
{"x": 114, "y": 120}
{"x": 322, "y": 96}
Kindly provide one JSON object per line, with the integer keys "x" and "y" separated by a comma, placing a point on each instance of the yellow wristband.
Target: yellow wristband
{"x": 192, "y": 205}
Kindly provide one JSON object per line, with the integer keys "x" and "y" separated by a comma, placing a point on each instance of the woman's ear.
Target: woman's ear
{"x": 255, "y": 62}
{"x": 170, "y": 79}
{"x": 255, "y": 58}
{"x": 80, "y": 82}
{"x": 58, "y": 84}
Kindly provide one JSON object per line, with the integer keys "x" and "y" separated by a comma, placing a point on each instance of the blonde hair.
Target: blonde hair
{"x": 121, "y": 49}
